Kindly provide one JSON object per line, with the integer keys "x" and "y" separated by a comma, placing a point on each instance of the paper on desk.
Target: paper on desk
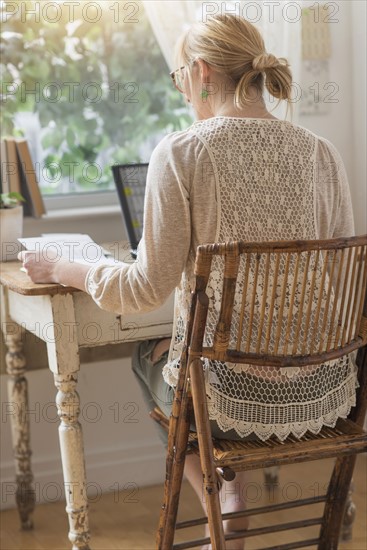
{"x": 77, "y": 247}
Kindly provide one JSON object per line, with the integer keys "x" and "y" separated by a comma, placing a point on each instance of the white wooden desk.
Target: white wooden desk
{"x": 67, "y": 320}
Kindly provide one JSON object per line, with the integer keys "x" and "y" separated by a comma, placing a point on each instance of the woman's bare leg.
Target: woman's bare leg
{"x": 232, "y": 498}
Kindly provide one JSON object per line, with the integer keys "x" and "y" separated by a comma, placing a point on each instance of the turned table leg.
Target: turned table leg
{"x": 72, "y": 455}
{"x": 19, "y": 421}
{"x": 63, "y": 356}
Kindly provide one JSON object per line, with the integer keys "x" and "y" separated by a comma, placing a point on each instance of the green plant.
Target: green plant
{"x": 10, "y": 200}
{"x": 101, "y": 91}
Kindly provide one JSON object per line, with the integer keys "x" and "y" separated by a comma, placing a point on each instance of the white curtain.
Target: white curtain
{"x": 278, "y": 20}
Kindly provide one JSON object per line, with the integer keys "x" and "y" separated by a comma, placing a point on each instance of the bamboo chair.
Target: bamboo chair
{"x": 343, "y": 329}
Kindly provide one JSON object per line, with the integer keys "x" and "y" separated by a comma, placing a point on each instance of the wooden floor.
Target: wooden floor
{"x": 127, "y": 521}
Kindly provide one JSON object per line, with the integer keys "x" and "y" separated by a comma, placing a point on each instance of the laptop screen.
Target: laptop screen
{"x": 130, "y": 181}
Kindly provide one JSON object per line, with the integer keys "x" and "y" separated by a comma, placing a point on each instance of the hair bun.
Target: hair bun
{"x": 265, "y": 61}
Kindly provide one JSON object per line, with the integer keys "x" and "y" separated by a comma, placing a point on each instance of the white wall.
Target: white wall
{"x": 359, "y": 142}
{"x": 345, "y": 124}
{"x": 130, "y": 452}
{"x": 122, "y": 449}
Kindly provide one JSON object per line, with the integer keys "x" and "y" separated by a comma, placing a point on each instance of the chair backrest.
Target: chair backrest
{"x": 286, "y": 303}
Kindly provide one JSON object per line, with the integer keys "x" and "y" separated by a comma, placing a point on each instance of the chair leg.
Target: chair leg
{"x": 175, "y": 469}
{"x": 175, "y": 462}
{"x": 336, "y": 499}
{"x": 206, "y": 456}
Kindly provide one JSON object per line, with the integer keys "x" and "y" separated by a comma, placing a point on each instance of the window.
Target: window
{"x": 86, "y": 84}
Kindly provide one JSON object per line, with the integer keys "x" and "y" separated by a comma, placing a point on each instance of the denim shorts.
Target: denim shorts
{"x": 157, "y": 392}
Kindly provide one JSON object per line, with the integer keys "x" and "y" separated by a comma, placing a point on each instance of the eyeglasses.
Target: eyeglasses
{"x": 177, "y": 78}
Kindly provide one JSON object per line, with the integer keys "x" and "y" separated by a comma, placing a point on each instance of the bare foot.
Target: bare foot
{"x": 231, "y": 501}
{"x": 237, "y": 544}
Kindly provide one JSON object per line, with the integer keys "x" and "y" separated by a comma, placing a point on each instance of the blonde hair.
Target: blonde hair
{"x": 235, "y": 48}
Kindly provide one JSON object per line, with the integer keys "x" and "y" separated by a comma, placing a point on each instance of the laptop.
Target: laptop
{"x": 130, "y": 181}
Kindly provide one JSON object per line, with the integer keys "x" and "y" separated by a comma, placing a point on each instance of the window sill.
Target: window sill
{"x": 75, "y": 214}
{"x": 103, "y": 223}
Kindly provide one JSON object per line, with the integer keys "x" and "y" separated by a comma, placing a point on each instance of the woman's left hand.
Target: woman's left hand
{"x": 41, "y": 268}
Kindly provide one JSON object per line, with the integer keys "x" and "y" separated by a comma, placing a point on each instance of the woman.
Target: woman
{"x": 237, "y": 173}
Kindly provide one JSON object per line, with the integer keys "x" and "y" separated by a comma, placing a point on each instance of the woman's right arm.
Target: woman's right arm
{"x": 163, "y": 250}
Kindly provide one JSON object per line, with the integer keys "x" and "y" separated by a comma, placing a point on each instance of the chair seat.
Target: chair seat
{"x": 345, "y": 438}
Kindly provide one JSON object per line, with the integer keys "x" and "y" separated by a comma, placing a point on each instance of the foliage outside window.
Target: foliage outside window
{"x": 96, "y": 83}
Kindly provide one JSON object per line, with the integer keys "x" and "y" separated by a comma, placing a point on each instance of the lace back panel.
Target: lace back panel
{"x": 265, "y": 189}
